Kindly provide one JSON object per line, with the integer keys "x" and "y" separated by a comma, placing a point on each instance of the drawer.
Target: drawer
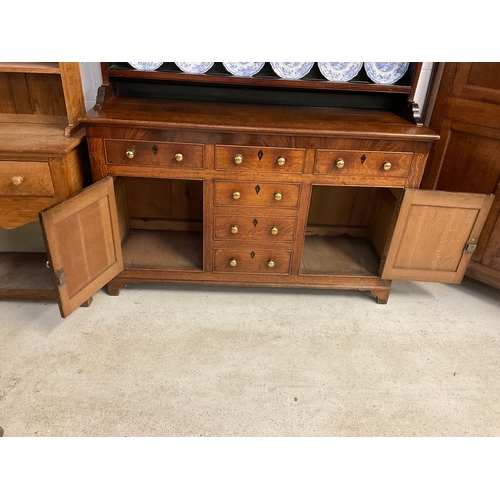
{"x": 153, "y": 154}
{"x": 267, "y": 229}
{"x": 245, "y": 158}
{"x": 362, "y": 163}
{"x": 25, "y": 178}
{"x": 252, "y": 261}
{"x": 257, "y": 194}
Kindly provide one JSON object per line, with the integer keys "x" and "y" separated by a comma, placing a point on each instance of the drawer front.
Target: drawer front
{"x": 245, "y": 158}
{"x": 362, "y": 163}
{"x": 25, "y": 178}
{"x": 257, "y": 194}
{"x": 252, "y": 261}
{"x": 153, "y": 154}
{"x": 267, "y": 229}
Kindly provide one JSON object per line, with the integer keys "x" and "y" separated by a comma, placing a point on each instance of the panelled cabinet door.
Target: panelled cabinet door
{"x": 83, "y": 243}
{"x": 435, "y": 235}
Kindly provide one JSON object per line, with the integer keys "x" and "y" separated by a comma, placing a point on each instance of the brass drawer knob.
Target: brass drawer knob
{"x": 16, "y": 180}
{"x": 238, "y": 159}
{"x": 274, "y": 230}
{"x": 339, "y": 163}
{"x": 386, "y": 165}
{"x": 234, "y": 229}
{"x": 281, "y": 161}
{"x": 179, "y": 157}
{"x": 130, "y": 153}
{"x": 236, "y": 195}
{"x": 278, "y": 196}
{"x": 232, "y": 262}
{"x": 270, "y": 263}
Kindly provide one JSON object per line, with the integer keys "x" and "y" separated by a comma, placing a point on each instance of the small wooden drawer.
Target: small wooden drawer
{"x": 153, "y": 154}
{"x": 362, "y": 163}
{"x": 257, "y": 194}
{"x": 267, "y": 229}
{"x": 252, "y": 261}
{"x": 25, "y": 178}
{"x": 241, "y": 158}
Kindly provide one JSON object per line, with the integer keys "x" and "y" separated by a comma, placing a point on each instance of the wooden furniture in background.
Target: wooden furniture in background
{"x": 466, "y": 113}
{"x": 43, "y": 160}
{"x": 212, "y": 179}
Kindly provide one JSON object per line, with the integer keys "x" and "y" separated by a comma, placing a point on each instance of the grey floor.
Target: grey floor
{"x": 207, "y": 361}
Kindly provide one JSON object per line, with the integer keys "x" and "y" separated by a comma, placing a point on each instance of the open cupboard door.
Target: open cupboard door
{"x": 435, "y": 235}
{"x": 83, "y": 242}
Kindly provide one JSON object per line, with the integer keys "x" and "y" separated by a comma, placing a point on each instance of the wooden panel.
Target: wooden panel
{"x": 71, "y": 82}
{"x": 256, "y": 194}
{"x": 46, "y": 94}
{"x": 23, "y": 178}
{"x": 362, "y": 162}
{"x": 259, "y": 159}
{"x": 256, "y": 264}
{"x": 431, "y": 234}
{"x": 83, "y": 240}
{"x": 6, "y": 100}
{"x": 156, "y": 154}
{"x": 20, "y": 92}
{"x": 254, "y": 227}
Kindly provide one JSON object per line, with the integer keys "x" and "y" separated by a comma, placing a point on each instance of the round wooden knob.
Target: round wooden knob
{"x": 278, "y": 196}
{"x": 386, "y": 165}
{"x": 270, "y": 263}
{"x": 232, "y": 262}
{"x": 130, "y": 153}
{"x": 236, "y": 195}
{"x": 238, "y": 159}
{"x": 281, "y": 161}
{"x": 179, "y": 157}
{"x": 16, "y": 180}
{"x": 339, "y": 163}
{"x": 234, "y": 229}
{"x": 274, "y": 230}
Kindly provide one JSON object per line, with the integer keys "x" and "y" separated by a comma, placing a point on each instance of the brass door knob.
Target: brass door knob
{"x": 339, "y": 163}
{"x": 238, "y": 159}
{"x": 232, "y": 262}
{"x": 386, "y": 165}
{"x": 281, "y": 161}
{"x": 179, "y": 157}
{"x": 236, "y": 195}
{"x": 274, "y": 230}
{"x": 270, "y": 263}
{"x": 278, "y": 196}
{"x": 234, "y": 229}
{"x": 130, "y": 153}
{"x": 16, "y": 180}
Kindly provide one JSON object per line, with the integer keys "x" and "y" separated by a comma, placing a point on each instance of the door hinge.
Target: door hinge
{"x": 470, "y": 247}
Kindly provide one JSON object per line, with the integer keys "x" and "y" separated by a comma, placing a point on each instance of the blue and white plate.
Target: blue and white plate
{"x": 339, "y": 71}
{"x": 291, "y": 70}
{"x": 145, "y": 66}
{"x": 386, "y": 72}
{"x": 195, "y": 68}
{"x": 243, "y": 68}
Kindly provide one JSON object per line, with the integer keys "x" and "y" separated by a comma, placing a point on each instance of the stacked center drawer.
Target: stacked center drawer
{"x": 255, "y": 221}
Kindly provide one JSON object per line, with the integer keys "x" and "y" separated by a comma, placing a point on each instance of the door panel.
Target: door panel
{"x": 83, "y": 241}
{"x": 431, "y": 234}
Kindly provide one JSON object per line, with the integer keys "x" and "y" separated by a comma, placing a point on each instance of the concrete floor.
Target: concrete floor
{"x": 206, "y": 361}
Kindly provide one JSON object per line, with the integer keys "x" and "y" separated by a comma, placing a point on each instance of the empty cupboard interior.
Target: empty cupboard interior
{"x": 348, "y": 229}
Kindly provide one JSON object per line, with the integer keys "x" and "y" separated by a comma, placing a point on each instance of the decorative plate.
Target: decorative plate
{"x": 145, "y": 66}
{"x": 339, "y": 71}
{"x": 243, "y": 68}
{"x": 195, "y": 68}
{"x": 385, "y": 72}
{"x": 291, "y": 70}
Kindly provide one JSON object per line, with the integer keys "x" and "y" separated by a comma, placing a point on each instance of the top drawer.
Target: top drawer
{"x": 153, "y": 154}
{"x": 361, "y": 163}
{"x": 25, "y": 178}
{"x": 240, "y": 158}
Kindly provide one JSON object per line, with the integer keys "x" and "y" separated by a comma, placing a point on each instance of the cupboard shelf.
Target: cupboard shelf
{"x": 30, "y": 67}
